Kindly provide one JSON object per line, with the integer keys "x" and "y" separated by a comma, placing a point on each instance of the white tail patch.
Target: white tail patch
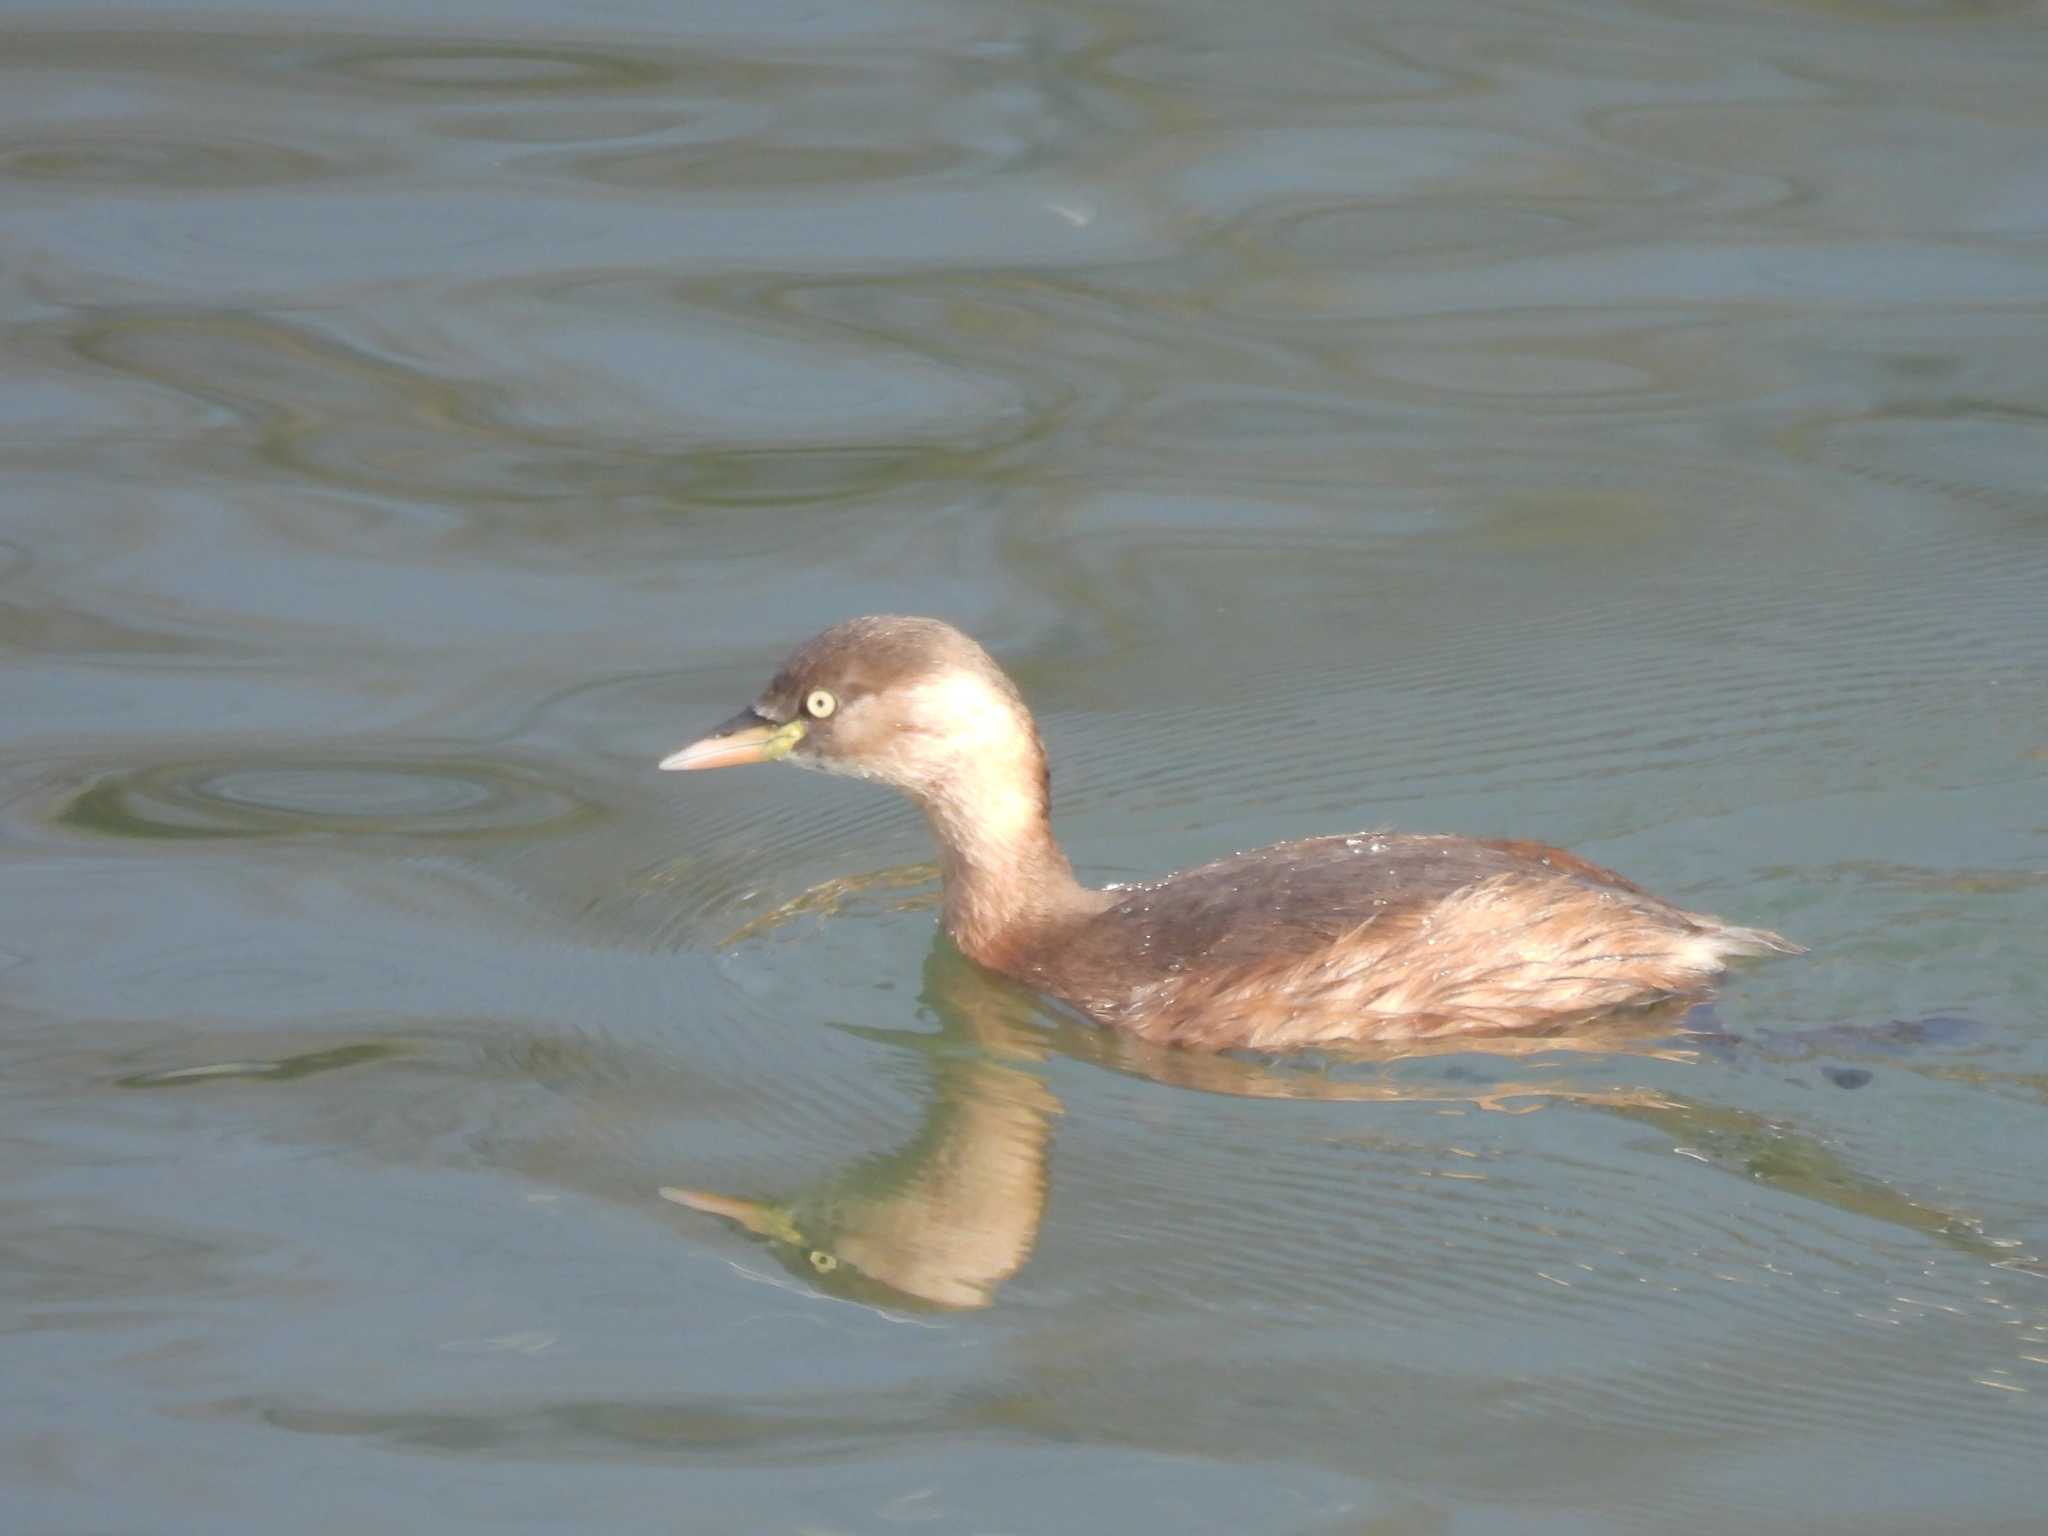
{"x": 1730, "y": 940}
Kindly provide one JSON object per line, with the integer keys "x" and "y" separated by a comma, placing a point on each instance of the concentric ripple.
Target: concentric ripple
{"x": 444, "y": 798}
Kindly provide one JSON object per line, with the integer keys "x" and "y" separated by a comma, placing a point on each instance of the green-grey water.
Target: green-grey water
{"x": 1617, "y": 422}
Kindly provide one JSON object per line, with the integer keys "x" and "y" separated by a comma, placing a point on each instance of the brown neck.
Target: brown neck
{"x": 1007, "y": 885}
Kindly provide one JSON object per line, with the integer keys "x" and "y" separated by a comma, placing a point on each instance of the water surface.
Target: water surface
{"x": 1624, "y": 424}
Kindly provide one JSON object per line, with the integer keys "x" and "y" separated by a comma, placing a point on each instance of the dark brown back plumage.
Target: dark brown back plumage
{"x": 1380, "y": 936}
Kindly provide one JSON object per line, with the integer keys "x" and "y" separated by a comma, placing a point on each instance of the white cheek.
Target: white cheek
{"x": 964, "y": 713}
{"x": 986, "y": 758}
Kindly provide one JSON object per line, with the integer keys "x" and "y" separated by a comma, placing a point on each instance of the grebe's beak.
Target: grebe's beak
{"x": 757, "y": 1216}
{"x": 745, "y": 738}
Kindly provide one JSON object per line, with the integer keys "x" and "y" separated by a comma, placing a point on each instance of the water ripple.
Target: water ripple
{"x": 365, "y": 797}
{"x": 434, "y": 71}
{"x": 172, "y": 158}
{"x": 1616, "y": 421}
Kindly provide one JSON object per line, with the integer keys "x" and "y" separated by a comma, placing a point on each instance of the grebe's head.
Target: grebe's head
{"x": 909, "y": 702}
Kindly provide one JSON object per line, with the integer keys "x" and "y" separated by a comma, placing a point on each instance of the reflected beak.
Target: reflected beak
{"x": 745, "y": 738}
{"x": 756, "y": 1216}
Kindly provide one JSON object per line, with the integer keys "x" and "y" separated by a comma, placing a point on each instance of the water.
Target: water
{"x": 1620, "y": 424}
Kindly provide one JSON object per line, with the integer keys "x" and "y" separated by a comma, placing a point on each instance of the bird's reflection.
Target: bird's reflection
{"x": 943, "y": 1221}
{"x": 948, "y": 1217}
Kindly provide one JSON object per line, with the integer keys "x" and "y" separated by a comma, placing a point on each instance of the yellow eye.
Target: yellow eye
{"x": 822, "y": 1261}
{"x": 818, "y": 703}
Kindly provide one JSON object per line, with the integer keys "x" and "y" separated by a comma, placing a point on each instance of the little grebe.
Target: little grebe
{"x": 1377, "y": 936}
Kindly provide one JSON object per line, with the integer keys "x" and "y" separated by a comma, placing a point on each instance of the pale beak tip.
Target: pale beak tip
{"x": 746, "y": 738}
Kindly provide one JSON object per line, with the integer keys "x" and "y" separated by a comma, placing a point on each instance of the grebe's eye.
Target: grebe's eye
{"x": 818, "y": 703}
{"x": 822, "y": 1261}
